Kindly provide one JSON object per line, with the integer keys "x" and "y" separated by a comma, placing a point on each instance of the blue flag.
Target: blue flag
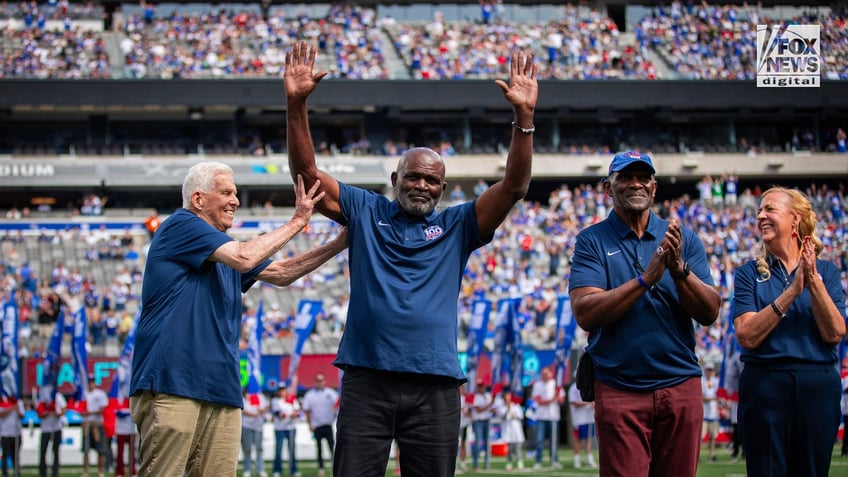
{"x": 563, "y": 338}
{"x": 49, "y": 381}
{"x": 503, "y": 334}
{"x": 307, "y": 312}
{"x": 731, "y": 365}
{"x": 79, "y": 354}
{"x": 254, "y": 354}
{"x": 9, "y": 349}
{"x": 515, "y": 354}
{"x": 477, "y": 329}
{"x": 121, "y": 384}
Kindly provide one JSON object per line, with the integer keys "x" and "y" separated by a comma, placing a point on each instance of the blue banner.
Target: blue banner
{"x": 9, "y": 349}
{"x": 254, "y": 353}
{"x": 731, "y": 365}
{"x": 307, "y": 312}
{"x": 515, "y": 353}
{"x": 123, "y": 375}
{"x": 502, "y": 347}
{"x": 79, "y": 354}
{"x": 477, "y": 329}
{"x": 47, "y": 391}
{"x": 563, "y": 338}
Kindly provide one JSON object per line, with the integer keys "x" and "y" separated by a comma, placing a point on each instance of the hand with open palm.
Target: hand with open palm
{"x": 300, "y": 81}
{"x": 523, "y": 88}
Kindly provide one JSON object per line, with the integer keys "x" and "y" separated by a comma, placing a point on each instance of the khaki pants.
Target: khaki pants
{"x": 184, "y": 436}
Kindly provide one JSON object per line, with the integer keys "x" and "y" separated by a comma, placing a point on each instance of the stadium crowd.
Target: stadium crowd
{"x": 528, "y": 258}
{"x": 100, "y": 270}
{"x": 692, "y": 40}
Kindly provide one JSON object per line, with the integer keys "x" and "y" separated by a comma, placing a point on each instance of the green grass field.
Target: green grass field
{"x": 722, "y": 468}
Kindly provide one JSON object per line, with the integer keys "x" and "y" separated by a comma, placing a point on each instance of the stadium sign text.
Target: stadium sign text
{"x": 788, "y": 57}
{"x": 27, "y": 170}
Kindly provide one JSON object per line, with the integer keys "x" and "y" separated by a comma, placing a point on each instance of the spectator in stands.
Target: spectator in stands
{"x": 320, "y": 404}
{"x": 613, "y": 295}
{"x": 193, "y": 282}
{"x": 790, "y": 317}
{"x": 705, "y": 188}
{"x": 480, "y": 187}
{"x": 731, "y": 189}
{"x": 13, "y": 214}
{"x": 151, "y": 223}
{"x": 110, "y": 325}
{"x": 93, "y": 204}
{"x": 48, "y": 311}
{"x": 125, "y": 325}
{"x": 457, "y": 195}
{"x": 422, "y": 325}
{"x": 841, "y": 141}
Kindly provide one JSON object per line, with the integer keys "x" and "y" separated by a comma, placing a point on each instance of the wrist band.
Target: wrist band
{"x": 529, "y": 130}
{"x": 642, "y": 282}
{"x": 778, "y": 311}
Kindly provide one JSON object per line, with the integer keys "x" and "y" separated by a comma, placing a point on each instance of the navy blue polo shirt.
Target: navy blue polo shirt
{"x": 653, "y": 345}
{"x": 795, "y": 338}
{"x": 186, "y": 343}
{"x": 405, "y": 276}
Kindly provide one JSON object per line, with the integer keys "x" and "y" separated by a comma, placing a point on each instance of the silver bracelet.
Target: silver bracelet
{"x": 529, "y": 130}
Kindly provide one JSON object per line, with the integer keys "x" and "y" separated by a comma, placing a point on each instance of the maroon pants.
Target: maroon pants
{"x": 130, "y": 442}
{"x": 649, "y": 434}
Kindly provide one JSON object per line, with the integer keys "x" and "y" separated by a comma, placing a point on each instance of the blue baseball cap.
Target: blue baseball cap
{"x": 624, "y": 159}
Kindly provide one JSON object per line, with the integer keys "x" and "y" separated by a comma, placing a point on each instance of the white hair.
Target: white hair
{"x": 201, "y": 178}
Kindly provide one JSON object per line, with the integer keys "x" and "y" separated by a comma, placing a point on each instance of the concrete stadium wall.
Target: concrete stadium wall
{"x": 374, "y": 171}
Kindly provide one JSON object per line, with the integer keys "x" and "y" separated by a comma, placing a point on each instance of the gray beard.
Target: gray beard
{"x": 415, "y": 208}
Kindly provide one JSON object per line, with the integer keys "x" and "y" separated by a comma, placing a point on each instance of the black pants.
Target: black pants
{"x": 11, "y": 451}
{"x": 737, "y": 441}
{"x": 95, "y": 438}
{"x": 46, "y": 438}
{"x": 789, "y": 413}
{"x": 845, "y": 436}
{"x": 323, "y": 433}
{"x": 420, "y": 411}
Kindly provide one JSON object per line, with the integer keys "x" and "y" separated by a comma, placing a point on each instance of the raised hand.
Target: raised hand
{"x": 523, "y": 88}
{"x": 305, "y": 200}
{"x": 808, "y": 260}
{"x": 673, "y": 245}
{"x": 299, "y": 79}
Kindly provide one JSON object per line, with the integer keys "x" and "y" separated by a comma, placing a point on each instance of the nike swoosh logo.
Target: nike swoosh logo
{"x": 383, "y": 224}
{"x": 762, "y": 280}
{"x": 610, "y": 254}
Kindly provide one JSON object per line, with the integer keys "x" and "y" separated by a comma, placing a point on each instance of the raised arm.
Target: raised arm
{"x": 284, "y": 272}
{"x": 245, "y": 256}
{"x": 300, "y": 82}
{"x": 522, "y": 92}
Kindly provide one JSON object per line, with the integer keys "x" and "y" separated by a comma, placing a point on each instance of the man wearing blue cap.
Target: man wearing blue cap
{"x": 636, "y": 283}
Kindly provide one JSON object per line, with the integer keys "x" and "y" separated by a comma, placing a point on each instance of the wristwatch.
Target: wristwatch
{"x": 682, "y": 275}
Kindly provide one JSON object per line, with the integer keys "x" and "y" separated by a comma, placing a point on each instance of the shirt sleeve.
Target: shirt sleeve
{"x": 587, "y": 270}
{"x": 744, "y": 288}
